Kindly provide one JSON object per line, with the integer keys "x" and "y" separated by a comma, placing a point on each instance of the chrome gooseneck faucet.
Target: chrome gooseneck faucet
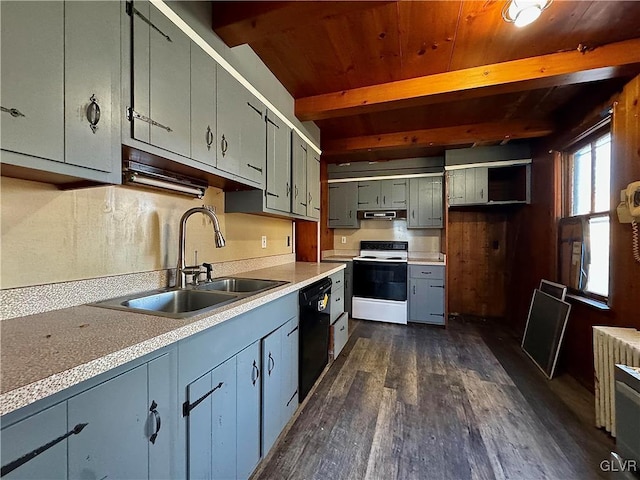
{"x": 183, "y": 270}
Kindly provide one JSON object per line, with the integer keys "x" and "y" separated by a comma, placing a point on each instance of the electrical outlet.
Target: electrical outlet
{"x": 264, "y": 241}
{"x": 343, "y": 240}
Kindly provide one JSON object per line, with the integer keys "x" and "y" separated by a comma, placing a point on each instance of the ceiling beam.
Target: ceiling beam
{"x": 564, "y": 68}
{"x": 246, "y": 22}
{"x": 443, "y": 136}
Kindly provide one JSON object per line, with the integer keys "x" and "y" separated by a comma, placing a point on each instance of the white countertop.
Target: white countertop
{"x": 45, "y": 353}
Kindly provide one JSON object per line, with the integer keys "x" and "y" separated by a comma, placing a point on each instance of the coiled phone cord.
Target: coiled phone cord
{"x": 636, "y": 247}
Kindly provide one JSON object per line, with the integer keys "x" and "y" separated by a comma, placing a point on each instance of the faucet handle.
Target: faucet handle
{"x": 209, "y": 267}
{"x": 194, "y": 271}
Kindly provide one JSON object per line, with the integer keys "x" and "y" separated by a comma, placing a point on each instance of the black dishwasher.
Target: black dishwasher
{"x": 314, "y": 333}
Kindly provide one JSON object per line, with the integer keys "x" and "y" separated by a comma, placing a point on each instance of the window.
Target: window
{"x": 584, "y": 232}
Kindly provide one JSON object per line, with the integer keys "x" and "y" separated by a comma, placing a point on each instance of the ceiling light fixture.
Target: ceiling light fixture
{"x": 524, "y": 12}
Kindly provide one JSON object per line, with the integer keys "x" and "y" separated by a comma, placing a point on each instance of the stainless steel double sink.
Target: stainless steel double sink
{"x": 182, "y": 303}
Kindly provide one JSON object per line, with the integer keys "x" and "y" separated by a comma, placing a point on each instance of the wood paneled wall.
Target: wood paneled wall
{"x": 536, "y": 255}
{"x": 478, "y": 259}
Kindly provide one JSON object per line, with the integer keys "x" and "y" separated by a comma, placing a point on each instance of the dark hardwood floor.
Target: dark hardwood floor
{"x": 420, "y": 402}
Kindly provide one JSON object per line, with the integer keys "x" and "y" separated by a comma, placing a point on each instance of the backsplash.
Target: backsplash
{"x": 51, "y": 236}
{"x": 420, "y": 240}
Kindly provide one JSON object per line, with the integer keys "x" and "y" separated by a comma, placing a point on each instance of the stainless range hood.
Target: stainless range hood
{"x": 383, "y": 215}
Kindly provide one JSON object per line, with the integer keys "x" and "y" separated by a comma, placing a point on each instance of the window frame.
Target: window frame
{"x": 589, "y": 137}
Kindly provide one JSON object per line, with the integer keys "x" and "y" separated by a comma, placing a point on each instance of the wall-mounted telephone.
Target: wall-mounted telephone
{"x": 629, "y": 212}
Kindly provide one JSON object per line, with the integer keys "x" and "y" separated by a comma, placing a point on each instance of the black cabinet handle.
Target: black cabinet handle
{"x": 384, "y": 199}
{"x": 93, "y": 113}
{"x": 209, "y": 137}
{"x": 292, "y": 397}
{"x": 271, "y": 364}
{"x": 437, "y": 314}
{"x": 156, "y": 415}
{"x": 342, "y": 329}
{"x": 256, "y": 370}
{"x": 11, "y": 466}
{"x": 436, "y": 286}
{"x": 414, "y": 289}
{"x": 187, "y": 407}
{"x": 338, "y": 299}
{"x": 426, "y": 273}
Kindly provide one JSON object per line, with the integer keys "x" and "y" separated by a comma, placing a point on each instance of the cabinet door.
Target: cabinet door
{"x": 394, "y": 194}
{"x": 278, "y": 164}
{"x": 425, "y": 203}
{"x": 92, "y": 83}
{"x": 170, "y": 85}
{"x": 457, "y": 186}
{"x": 139, "y": 101}
{"x": 241, "y": 129}
{"x": 437, "y": 208}
{"x": 435, "y": 302}
{"x": 290, "y": 344}
{"x": 343, "y": 204}
{"x": 29, "y": 435}
{"x": 203, "y": 106}
{"x": 114, "y": 442}
{"x": 299, "y": 167}
{"x": 418, "y": 300}
{"x": 248, "y": 414}
{"x": 369, "y": 194}
{"x": 271, "y": 389}
{"x": 480, "y": 186}
{"x": 211, "y": 426}
{"x": 33, "y": 78}
{"x": 162, "y": 417}
{"x": 253, "y": 138}
{"x": 313, "y": 184}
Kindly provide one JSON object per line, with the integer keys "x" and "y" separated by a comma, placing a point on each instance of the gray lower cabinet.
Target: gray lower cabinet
{"x": 248, "y": 384}
{"x": 468, "y": 186}
{"x": 343, "y": 205}
{"x": 61, "y": 89}
{"x": 29, "y": 435}
{"x": 211, "y": 423}
{"x": 425, "y": 207}
{"x": 426, "y": 294}
{"x": 279, "y": 381}
{"x": 124, "y": 435}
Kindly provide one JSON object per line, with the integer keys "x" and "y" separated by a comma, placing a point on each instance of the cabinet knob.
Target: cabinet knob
{"x": 223, "y": 145}
{"x": 255, "y": 373}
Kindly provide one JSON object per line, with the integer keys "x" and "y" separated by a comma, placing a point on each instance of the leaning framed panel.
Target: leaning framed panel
{"x": 554, "y": 289}
{"x": 544, "y": 331}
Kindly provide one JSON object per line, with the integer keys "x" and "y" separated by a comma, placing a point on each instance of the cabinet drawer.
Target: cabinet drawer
{"x": 339, "y": 335}
{"x": 336, "y": 307}
{"x": 426, "y": 271}
{"x": 337, "y": 280}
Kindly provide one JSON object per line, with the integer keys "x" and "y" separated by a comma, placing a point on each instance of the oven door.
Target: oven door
{"x": 381, "y": 280}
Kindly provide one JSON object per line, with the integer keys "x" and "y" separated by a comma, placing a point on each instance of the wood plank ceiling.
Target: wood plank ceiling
{"x": 394, "y": 79}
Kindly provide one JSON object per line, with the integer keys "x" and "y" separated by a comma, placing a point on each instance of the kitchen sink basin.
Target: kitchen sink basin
{"x": 239, "y": 285}
{"x": 182, "y": 303}
{"x": 171, "y": 303}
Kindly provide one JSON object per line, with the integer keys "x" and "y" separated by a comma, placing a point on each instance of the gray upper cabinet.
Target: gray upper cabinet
{"x": 313, "y": 184}
{"x": 92, "y": 84}
{"x": 29, "y": 435}
{"x": 388, "y": 194}
{"x": 203, "y": 106}
{"x": 369, "y": 194}
{"x": 61, "y": 89}
{"x": 278, "y": 164}
{"x": 33, "y": 78}
{"x": 393, "y": 194}
{"x": 161, "y": 81}
{"x": 241, "y": 139}
{"x": 170, "y": 85}
{"x": 343, "y": 205}
{"x": 425, "y": 209}
{"x": 299, "y": 153}
{"x": 468, "y": 186}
